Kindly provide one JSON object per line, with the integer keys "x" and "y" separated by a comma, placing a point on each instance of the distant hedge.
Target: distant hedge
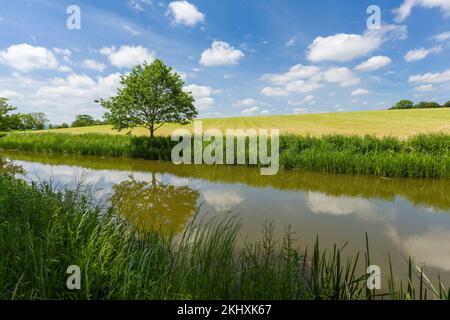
{"x": 408, "y": 104}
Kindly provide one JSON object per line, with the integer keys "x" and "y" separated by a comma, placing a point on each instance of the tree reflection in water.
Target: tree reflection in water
{"x": 154, "y": 205}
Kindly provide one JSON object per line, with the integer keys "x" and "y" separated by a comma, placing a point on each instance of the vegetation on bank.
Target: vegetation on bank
{"x": 43, "y": 231}
{"x": 422, "y": 156}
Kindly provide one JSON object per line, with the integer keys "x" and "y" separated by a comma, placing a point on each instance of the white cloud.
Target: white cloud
{"x": 421, "y": 53}
{"x": 429, "y": 77}
{"x": 442, "y": 37}
{"x": 247, "y": 102}
{"x": 250, "y": 111}
{"x": 274, "y": 92}
{"x": 344, "y": 47}
{"x": 359, "y": 92}
{"x": 185, "y": 13}
{"x": 9, "y": 94}
{"x": 344, "y": 76}
{"x": 25, "y": 57}
{"x": 202, "y": 95}
{"x": 127, "y": 56}
{"x": 404, "y": 11}
{"x": 65, "y": 69}
{"x": 93, "y": 65}
{"x": 220, "y": 54}
{"x": 309, "y": 99}
{"x": 424, "y": 87}
{"x": 374, "y": 63}
{"x": 296, "y": 72}
{"x": 265, "y": 112}
{"x": 223, "y": 200}
{"x": 302, "y": 86}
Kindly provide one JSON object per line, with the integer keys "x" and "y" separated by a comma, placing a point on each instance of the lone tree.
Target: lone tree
{"x": 150, "y": 96}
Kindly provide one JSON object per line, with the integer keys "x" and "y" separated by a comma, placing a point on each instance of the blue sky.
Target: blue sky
{"x": 238, "y": 58}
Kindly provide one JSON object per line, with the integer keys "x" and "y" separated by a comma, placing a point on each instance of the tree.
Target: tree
{"x": 427, "y": 105}
{"x": 152, "y": 205}
{"x": 447, "y": 104}
{"x": 5, "y": 109}
{"x": 403, "y": 104}
{"x": 84, "y": 120}
{"x": 32, "y": 121}
{"x": 150, "y": 96}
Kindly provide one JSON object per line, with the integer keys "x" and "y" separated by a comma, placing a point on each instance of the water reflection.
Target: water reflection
{"x": 403, "y": 217}
{"x": 153, "y": 205}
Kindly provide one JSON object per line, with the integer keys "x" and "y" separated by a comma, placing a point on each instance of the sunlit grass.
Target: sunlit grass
{"x": 398, "y": 123}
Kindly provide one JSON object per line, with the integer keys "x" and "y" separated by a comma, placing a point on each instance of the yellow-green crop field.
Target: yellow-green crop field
{"x": 399, "y": 123}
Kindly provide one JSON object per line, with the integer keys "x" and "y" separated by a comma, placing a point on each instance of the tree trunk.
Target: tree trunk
{"x": 152, "y": 134}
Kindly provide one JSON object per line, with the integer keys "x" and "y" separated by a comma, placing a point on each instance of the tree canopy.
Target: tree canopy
{"x": 150, "y": 96}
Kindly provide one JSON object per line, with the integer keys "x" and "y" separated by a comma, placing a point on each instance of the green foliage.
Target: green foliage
{"x": 151, "y": 95}
{"x": 427, "y": 105}
{"x": 423, "y": 156}
{"x": 407, "y": 104}
{"x": 84, "y": 120}
{"x": 403, "y": 104}
{"x": 5, "y": 109}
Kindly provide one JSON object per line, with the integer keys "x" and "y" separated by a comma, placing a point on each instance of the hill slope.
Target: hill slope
{"x": 400, "y": 123}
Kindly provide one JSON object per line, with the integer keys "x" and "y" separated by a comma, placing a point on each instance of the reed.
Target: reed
{"x": 422, "y": 156}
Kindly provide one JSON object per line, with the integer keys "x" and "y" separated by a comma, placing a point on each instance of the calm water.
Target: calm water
{"x": 402, "y": 217}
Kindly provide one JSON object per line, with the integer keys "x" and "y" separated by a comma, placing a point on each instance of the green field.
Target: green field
{"x": 399, "y": 123}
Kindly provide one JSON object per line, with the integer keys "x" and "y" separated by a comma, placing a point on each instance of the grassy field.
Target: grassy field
{"x": 398, "y": 123}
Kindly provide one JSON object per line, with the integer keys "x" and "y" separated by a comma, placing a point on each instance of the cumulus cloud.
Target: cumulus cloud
{"x": 127, "y": 56}
{"x": 247, "y": 102}
{"x": 221, "y": 54}
{"x": 405, "y": 9}
{"x": 421, "y": 53}
{"x": 62, "y": 97}
{"x": 185, "y": 13}
{"x": 374, "y": 63}
{"x": 202, "y": 95}
{"x": 344, "y": 47}
{"x": 9, "y": 94}
{"x": 359, "y": 92}
{"x": 343, "y": 76}
{"x": 93, "y": 65}
{"x": 430, "y": 78}
{"x": 25, "y": 57}
{"x": 296, "y": 72}
{"x": 274, "y": 92}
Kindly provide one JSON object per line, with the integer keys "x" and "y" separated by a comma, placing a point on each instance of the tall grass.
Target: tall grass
{"x": 43, "y": 231}
{"x": 422, "y": 156}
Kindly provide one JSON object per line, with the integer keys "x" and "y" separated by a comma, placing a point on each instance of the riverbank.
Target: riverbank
{"x": 422, "y": 156}
{"x": 43, "y": 231}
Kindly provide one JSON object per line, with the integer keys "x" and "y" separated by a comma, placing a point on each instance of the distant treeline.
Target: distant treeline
{"x": 408, "y": 104}
{"x": 37, "y": 120}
